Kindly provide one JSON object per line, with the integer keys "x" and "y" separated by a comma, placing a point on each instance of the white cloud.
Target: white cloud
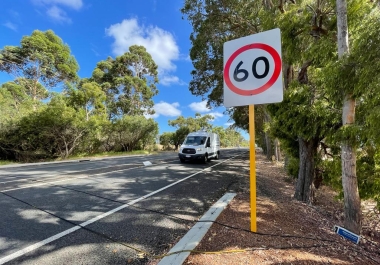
{"x": 216, "y": 115}
{"x": 186, "y": 57}
{"x": 165, "y": 109}
{"x": 11, "y": 26}
{"x": 58, "y": 14}
{"x": 74, "y": 4}
{"x": 158, "y": 42}
{"x": 228, "y": 124}
{"x": 15, "y": 15}
{"x": 199, "y": 106}
{"x": 54, "y": 10}
{"x": 168, "y": 80}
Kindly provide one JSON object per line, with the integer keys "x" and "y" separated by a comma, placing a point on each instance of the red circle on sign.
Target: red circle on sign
{"x": 277, "y": 69}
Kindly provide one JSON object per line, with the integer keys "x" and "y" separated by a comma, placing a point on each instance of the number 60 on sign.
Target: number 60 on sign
{"x": 253, "y": 70}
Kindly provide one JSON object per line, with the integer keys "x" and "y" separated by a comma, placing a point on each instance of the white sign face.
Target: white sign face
{"x": 252, "y": 69}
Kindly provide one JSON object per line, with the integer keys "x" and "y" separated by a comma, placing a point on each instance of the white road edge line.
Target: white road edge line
{"x": 196, "y": 233}
{"x": 73, "y": 229}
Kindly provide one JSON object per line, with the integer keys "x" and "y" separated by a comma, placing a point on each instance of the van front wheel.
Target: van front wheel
{"x": 217, "y": 156}
{"x": 205, "y": 159}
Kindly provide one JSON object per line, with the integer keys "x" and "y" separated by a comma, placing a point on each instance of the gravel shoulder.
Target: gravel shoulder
{"x": 288, "y": 231}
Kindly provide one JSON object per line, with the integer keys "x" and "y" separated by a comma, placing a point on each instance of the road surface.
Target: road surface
{"x": 105, "y": 211}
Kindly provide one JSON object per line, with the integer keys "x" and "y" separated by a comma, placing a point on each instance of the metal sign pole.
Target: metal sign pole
{"x": 252, "y": 167}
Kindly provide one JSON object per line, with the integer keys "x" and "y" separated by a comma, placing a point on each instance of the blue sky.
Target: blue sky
{"x": 96, "y": 29}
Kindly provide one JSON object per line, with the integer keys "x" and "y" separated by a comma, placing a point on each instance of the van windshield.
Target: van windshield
{"x": 195, "y": 140}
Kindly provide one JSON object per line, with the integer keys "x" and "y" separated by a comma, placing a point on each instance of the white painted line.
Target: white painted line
{"x": 147, "y": 163}
{"x": 69, "y": 231}
{"x": 196, "y": 233}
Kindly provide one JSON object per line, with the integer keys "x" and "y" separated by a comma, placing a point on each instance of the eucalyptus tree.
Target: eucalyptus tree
{"x": 166, "y": 140}
{"x": 219, "y": 130}
{"x": 348, "y": 149}
{"x": 88, "y": 96}
{"x": 14, "y": 105}
{"x": 215, "y": 22}
{"x": 194, "y": 124}
{"x": 353, "y": 83}
{"x": 54, "y": 130}
{"x": 14, "y": 102}
{"x": 186, "y": 125}
{"x": 132, "y": 131}
{"x": 307, "y": 34}
{"x": 306, "y": 116}
{"x": 179, "y": 136}
{"x": 129, "y": 82}
{"x": 42, "y": 61}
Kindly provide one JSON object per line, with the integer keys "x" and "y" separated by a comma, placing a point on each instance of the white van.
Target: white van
{"x": 202, "y": 146}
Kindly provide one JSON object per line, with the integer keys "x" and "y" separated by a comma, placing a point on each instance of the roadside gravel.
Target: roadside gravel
{"x": 289, "y": 232}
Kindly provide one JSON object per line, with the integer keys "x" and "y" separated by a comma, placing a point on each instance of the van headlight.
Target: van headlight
{"x": 199, "y": 149}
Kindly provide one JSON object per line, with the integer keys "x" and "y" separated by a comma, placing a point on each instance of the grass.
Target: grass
{"x": 107, "y": 154}
{"x": 81, "y": 156}
{"x": 6, "y": 162}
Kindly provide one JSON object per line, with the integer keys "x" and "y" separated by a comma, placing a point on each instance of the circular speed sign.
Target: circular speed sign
{"x": 240, "y": 75}
{"x": 252, "y": 69}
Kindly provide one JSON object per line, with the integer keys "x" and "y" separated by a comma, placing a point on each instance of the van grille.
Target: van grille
{"x": 188, "y": 151}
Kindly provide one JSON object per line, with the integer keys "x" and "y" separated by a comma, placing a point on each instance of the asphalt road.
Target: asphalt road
{"x": 105, "y": 211}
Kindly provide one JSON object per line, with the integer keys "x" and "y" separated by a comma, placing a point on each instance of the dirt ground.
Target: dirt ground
{"x": 288, "y": 231}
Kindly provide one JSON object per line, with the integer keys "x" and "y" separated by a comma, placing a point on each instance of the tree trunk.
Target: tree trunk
{"x": 277, "y": 149}
{"x": 305, "y": 187}
{"x": 268, "y": 142}
{"x": 268, "y": 148}
{"x": 352, "y": 211}
{"x": 289, "y": 75}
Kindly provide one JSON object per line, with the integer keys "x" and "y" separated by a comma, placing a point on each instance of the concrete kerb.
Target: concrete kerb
{"x": 197, "y": 232}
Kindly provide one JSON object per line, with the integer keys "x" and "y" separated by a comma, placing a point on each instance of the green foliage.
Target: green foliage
{"x": 315, "y": 80}
{"x": 133, "y": 132}
{"x": 292, "y": 167}
{"x": 213, "y": 24}
{"x": 89, "y": 97}
{"x": 368, "y": 173}
{"x": 193, "y": 124}
{"x": 88, "y": 117}
{"x": 54, "y": 130}
{"x": 166, "y": 140}
{"x": 228, "y": 137}
{"x": 42, "y": 58}
{"x": 180, "y": 135}
{"x": 129, "y": 82}
{"x": 14, "y": 102}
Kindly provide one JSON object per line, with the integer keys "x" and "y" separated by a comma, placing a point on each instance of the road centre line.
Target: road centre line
{"x": 75, "y": 228}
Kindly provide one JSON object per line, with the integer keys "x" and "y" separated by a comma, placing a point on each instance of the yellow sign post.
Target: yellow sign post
{"x": 252, "y": 167}
{"x": 252, "y": 74}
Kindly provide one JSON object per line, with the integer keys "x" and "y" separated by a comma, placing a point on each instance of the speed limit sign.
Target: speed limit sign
{"x": 252, "y": 70}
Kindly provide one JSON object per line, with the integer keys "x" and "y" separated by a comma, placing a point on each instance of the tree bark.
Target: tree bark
{"x": 268, "y": 148}
{"x": 268, "y": 142}
{"x": 289, "y": 75}
{"x": 305, "y": 187}
{"x": 277, "y": 149}
{"x": 352, "y": 211}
